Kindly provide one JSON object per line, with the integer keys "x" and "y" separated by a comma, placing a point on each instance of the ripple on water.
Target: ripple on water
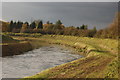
{"x": 33, "y": 62}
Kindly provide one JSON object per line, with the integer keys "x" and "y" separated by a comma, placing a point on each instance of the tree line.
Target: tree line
{"x": 58, "y": 28}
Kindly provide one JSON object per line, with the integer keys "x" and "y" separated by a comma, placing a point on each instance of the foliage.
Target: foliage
{"x": 112, "y": 31}
{"x": 83, "y": 27}
{"x": 40, "y": 25}
{"x": 24, "y": 28}
{"x": 37, "y": 26}
{"x": 58, "y": 22}
{"x": 4, "y": 26}
{"x": 7, "y": 39}
{"x": 33, "y": 25}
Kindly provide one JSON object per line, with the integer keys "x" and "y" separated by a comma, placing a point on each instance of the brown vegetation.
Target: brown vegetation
{"x": 4, "y": 26}
{"x": 59, "y": 29}
{"x": 12, "y": 46}
{"x": 112, "y": 31}
{"x": 10, "y": 49}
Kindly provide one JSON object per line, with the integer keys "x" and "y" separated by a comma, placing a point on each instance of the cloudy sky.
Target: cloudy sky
{"x": 98, "y": 14}
{"x": 60, "y": 0}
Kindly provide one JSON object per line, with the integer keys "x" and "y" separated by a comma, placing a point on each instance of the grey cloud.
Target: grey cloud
{"x": 77, "y": 13}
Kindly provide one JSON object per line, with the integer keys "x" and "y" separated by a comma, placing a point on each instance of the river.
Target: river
{"x": 35, "y": 61}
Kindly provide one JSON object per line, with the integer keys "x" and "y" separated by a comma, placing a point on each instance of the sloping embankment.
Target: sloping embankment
{"x": 84, "y": 45}
{"x": 10, "y": 49}
{"x": 100, "y": 61}
{"x": 12, "y": 46}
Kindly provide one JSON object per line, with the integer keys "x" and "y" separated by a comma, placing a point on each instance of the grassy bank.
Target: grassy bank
{"x": 8, "y": 39}
{"x": 10, "y": 49}
{"x": 100, "y": 61}
{"x": 84, "y": 45}
{"x": 12, "y": 46}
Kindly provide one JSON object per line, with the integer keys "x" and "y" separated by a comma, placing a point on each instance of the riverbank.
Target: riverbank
{"x": 36, "y": 60}
{"x": 100, "y": 62}
{"x": 11, "y": 49}
{"x": 83, "y": 45}
{"x": 12, "y": 46}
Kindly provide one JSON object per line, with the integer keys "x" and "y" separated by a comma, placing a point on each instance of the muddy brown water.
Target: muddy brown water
{"x": 35, "y": 61}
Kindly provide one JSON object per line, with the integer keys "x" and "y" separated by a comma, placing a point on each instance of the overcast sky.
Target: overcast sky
{"x": 60, "y": 0}
{"x": 98, "y": 14}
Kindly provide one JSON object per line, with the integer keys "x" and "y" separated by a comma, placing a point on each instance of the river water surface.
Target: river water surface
{"x": 35, "y": 61}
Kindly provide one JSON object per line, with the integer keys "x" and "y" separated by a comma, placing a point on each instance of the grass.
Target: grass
{"x": 23, "y": 34}
{"x": 112, "y": 68}
{"x": 100, "y": 59}
{"x": 8, "y": 39}
{"x": 89, "y": 67}
{"x": 11, "y": 46}
{"x": 84, "y": 44}
{"x": 11, "y": 49}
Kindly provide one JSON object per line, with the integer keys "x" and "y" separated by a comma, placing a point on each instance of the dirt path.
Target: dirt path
{"x": 89, "y": 67}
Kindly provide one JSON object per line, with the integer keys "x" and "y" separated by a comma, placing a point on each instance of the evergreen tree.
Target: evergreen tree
{"x": 33, "y": 25}
{"x": 58, "y": 22}
{"x": 19, "y": 25}
{"x": 11, "y": 26}
{"x": 84, "y": 27}
{"x": 40, "y": 25}
{"x": 26, "y": 23}
{"x": 14, "y": 25}
{"x": 77, "y": 28}
{"x": 58, "y": 25}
